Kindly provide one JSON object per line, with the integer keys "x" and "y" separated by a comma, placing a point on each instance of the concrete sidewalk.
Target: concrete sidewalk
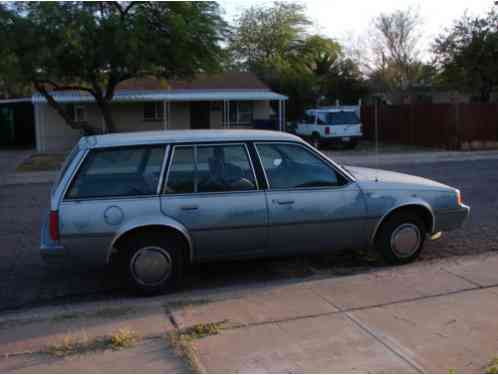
{"x": 420, "y": 318}
{"x": 424, "y": 317}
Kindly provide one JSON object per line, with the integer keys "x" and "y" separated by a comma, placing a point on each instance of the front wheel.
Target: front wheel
{"x": 401, "y": 238}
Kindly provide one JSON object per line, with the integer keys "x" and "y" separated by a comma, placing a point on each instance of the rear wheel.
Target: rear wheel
{"x": 401, "y": 237}
{"x": 154, "y": 262}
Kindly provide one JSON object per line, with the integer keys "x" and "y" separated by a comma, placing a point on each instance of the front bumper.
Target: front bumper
{"x": 452, "y": 219}
{"x": 52, "y": 252}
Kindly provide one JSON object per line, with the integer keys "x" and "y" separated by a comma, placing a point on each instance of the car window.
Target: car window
{"x": 114, "y": 172}
{"x": 217, "y": 169}
{"x": 290, "y": 166}
{"x": 181, "y": 174}
{"x": 224, "y": 168}
{"x": 321, "y": 118}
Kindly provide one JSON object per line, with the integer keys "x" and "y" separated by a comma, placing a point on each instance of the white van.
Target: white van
{"x": 331, "y": 125}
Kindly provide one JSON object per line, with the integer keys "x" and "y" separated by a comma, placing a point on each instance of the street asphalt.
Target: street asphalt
{"x": 26, "y": 281}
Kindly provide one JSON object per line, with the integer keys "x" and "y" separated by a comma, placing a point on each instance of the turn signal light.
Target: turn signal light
{"x": 54, "y": 225}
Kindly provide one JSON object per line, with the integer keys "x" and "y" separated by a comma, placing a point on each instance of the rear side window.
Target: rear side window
{"x": 209, "y": 169}
{"x": 115, "y": 172}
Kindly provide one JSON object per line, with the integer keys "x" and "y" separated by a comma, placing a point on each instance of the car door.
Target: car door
{"x": 311, "y": 205}
{"x": 212, "y": 190}
{"x": 112, "y": 185}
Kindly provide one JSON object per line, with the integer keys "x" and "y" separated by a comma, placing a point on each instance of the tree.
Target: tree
{"x": 265, "y": 36}
{"x": 467, "y": 55}
{"x": 393, "y": 63}
{"x": 273, "y": 42}
{"x": 334, "y": 76}
{"x": 93, "y": 46}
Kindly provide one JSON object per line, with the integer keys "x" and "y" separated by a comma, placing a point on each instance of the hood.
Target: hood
{"x": 393, "y": 179}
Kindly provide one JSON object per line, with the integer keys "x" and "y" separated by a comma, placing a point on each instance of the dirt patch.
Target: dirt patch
{"x": 72, "y": 345}
{"x": 41, "y": 162}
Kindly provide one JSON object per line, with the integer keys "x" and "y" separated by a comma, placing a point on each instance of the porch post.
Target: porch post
{"x": 165, "y": 114}
{"x": 224, "y": 113}
{"x": 280, "y": 115}
{"x": 284, "y": 117}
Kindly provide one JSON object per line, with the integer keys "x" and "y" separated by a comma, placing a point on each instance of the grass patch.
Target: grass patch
{"x": 181, "y": 341}
{"x": 41, "y": 162}
{"x": 493, "y": 366}
{"x": 72, "y": 345}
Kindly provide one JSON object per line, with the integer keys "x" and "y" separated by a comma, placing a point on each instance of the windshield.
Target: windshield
{"x": 342, "y": 118}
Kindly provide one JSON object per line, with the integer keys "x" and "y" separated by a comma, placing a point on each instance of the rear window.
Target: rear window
{"x": 342, "y": 118}
{"x": 115, "y": 172}
{"x": 67, "y": 162}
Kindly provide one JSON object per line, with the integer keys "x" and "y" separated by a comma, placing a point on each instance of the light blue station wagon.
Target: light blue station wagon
{"x": 153, "y": 202}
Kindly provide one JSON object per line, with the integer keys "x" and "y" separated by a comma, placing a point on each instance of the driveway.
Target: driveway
{"x": 24, "y": 280}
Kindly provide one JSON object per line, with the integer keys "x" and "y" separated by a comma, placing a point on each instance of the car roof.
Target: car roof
{"x": 182, "y": 136}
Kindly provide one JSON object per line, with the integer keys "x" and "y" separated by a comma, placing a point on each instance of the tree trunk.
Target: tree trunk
{"x": 84, "y": 126}
{"x": 105, "y": 110}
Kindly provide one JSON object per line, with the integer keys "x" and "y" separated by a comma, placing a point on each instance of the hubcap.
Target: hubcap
{"x": 405, "y": 240}
{"x": 151, "y": 265}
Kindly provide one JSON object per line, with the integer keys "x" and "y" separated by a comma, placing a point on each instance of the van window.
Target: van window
{"x": 116, "y": 172}
{"x": 342, "y": 118}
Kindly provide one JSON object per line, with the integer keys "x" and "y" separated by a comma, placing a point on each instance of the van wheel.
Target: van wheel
{"x": 154, "y": 263}
{"x": 351, "y": 145}
{"x": 401, "y": 237}
{"x": 315, "y": 141}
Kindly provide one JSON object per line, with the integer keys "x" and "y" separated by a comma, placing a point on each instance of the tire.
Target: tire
{"x": 401, "y": 238}
{"x": 315, "y": 141}
{"x": 154, "y": 262}
{"x": 351, "y": 145}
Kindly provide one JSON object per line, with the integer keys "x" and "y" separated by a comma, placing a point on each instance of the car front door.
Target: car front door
{"x": 311, "y": 205}
{"x": 212, "y": 190}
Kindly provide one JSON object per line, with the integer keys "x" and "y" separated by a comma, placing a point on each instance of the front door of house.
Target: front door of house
{"x": 199, "y": 115}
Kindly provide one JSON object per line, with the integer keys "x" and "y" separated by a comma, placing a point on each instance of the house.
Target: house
{"x": 226, "y": 100}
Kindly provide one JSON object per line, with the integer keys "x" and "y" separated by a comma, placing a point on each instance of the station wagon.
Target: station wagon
{"x": 154, "y": 202}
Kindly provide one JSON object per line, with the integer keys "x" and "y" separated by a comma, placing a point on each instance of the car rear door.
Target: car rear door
{"x": 112, "y": 185}
{"x": 213, "y": 191}
{"x": 312, "y": 207}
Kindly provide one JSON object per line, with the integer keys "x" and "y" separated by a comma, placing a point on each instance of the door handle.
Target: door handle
{"x": 189, "y": 207}
{"x": 282, "y": 202}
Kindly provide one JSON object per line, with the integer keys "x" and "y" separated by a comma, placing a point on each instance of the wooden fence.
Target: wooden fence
{"x": 435, "y": 125}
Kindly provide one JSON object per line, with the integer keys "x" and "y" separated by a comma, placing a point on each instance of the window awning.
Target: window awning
{"x": 166, "y": 95}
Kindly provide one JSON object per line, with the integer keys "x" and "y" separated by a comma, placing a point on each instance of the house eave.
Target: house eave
{"x": 167, "y": 95}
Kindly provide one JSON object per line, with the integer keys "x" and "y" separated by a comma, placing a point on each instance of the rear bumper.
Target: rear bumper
{"x": 52, "y": 252}
{"x": 451, "y": 219}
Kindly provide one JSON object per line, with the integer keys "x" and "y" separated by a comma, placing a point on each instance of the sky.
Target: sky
{"x": 349, "y": 19}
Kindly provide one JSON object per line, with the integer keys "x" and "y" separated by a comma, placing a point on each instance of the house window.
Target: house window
{"x": 241, "y": 113}
{"x": 154, "y": 111}
{"x": 77, "y": 112}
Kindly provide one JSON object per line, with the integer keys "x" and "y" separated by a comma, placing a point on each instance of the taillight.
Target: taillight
{"x": 54, "y": 225}
{"x": 327, "y": 130}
